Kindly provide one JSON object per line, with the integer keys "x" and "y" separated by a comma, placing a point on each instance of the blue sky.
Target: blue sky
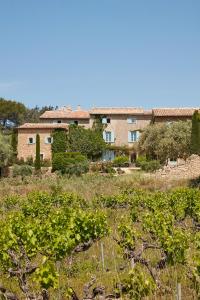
{"x": 100, "y": 52}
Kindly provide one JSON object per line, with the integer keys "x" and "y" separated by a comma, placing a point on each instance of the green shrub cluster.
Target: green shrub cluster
{"x": 121, "y": 161}
{"x": 22, "y": 170}
{"x": 147, "y": 165}
{"x": 71, "y": 163}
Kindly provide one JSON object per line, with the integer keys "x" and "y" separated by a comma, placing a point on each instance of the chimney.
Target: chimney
{"x": 68, "y": 108}
{"x": 78, "y": 107}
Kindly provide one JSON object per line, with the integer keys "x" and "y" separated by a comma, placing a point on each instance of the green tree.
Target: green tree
{"x": 163, "y": 141}
{"x": 37, "y": 156}
{"x": 11, "y": 112}
{"x": 195, "y": 136}
{"x": 6, "y": 151}
{"x": 88, "y": 142}
{"x": 59, "y": 141}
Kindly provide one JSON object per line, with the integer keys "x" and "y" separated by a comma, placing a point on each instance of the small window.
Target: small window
{"x": 131, "y": 120}
{"x": 41, "y": 156}
{"x": 108, "y": 136}
{"x": 48, "y": 140}
{"x": 105, "y": 120}
{"x": 31, "y": 140}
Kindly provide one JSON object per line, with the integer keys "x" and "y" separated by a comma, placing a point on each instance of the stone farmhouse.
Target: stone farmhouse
{"x": 123, "y": 126}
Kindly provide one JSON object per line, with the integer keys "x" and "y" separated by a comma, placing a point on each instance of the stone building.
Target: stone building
{"x": 122, "y": 126}
{"x": 27, "y": 139}
{"x": 67, "y": 115}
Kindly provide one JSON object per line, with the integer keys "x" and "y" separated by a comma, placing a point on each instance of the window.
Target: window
{"x": 133, "y": 136}
{"x": 31, "y": 140}
{"x": 105, "y": 120}
{"x": 131, "y": 120}
{"x": 108, "y": 136}
{"x": 41, "y": 156}
{"x": 48, "y": 140}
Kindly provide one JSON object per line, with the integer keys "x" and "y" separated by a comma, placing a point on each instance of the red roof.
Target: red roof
{"x": 65, "y": 114}
{"x": 43, "y": 126}
{"x": 119, "y": 111}
{"x": 174, "y": 112}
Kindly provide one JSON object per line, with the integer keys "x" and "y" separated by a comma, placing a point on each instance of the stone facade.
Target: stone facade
{"x": 27, "y": 133}
{"x": 120, "y": 127}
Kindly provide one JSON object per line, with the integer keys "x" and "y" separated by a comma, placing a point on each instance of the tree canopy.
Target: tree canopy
{"x": 163, "y": 141}
{"x": 195, "y": 136}
{"x": 88, "y": 142}
{"x": 11, "y": 112}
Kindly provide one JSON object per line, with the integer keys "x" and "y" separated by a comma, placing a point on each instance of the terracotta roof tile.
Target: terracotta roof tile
{"x": 174, "y": 112}
{"x": 43, "y": 126}
{"x": 65, "y": 114}
{"x": 118, "y": 110}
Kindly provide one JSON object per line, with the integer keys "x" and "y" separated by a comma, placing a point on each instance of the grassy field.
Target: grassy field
{"x": 104, "y": 259}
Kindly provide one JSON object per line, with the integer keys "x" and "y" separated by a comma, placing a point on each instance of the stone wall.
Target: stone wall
{"x": 188, "y": 169}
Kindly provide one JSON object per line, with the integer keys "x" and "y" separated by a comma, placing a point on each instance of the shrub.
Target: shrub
{"x": 140, "y": 159}
{"x": 29, "y": 161}
{"x": 45, "y": 163}
{"x": 121, "y": 161}
{"x": 150, "y": 166}
{"x": 102, "y": 167}
{"x": 71, "y": 163}
{"x": 22, "y": 170}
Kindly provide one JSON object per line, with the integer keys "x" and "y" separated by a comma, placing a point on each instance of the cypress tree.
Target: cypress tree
{"x": 195, "y": 135}
{"x": 37, "y": 157}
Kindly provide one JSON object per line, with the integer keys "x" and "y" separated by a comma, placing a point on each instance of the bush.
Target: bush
{"x": 45, "y": 163}
{"x": 140, "y": 159}
{"x": 22, "y": 170}
{"x": 121, "y": 161}
{"x": 71, "y": 163}
{"x": 102, "y": 167}
{"x": 150, "y": 166}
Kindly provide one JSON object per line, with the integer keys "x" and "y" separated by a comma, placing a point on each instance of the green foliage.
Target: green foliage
{"x": 195, "y": 136}
{"x": 150, "y": 166}
{"x": 88, "y": 142}
{"x": 22, "y": 170}
{"x": 71, "y": 163}
{"x": 59, "y": 141}
{"x": 14, "y": 141}
{"x": 43, "y": 230}
{"x": 163, "y": 141}
{"x": 138, "y": 284}
{"x": 6, "y": 151}
{"x": 37, "y": 157}
{"x": 121, "y": 161}
{"x": 147, "y": 165}
{"x": 11, "y": 111}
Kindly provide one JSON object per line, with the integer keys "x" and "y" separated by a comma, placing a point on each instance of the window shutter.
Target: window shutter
{"x": 104, "y": 135}
{"x": 34, "y": 140}
{"x": 112, "y": 137}
{"x": 129, "y": 120}
{"x": 129, "y": 137}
